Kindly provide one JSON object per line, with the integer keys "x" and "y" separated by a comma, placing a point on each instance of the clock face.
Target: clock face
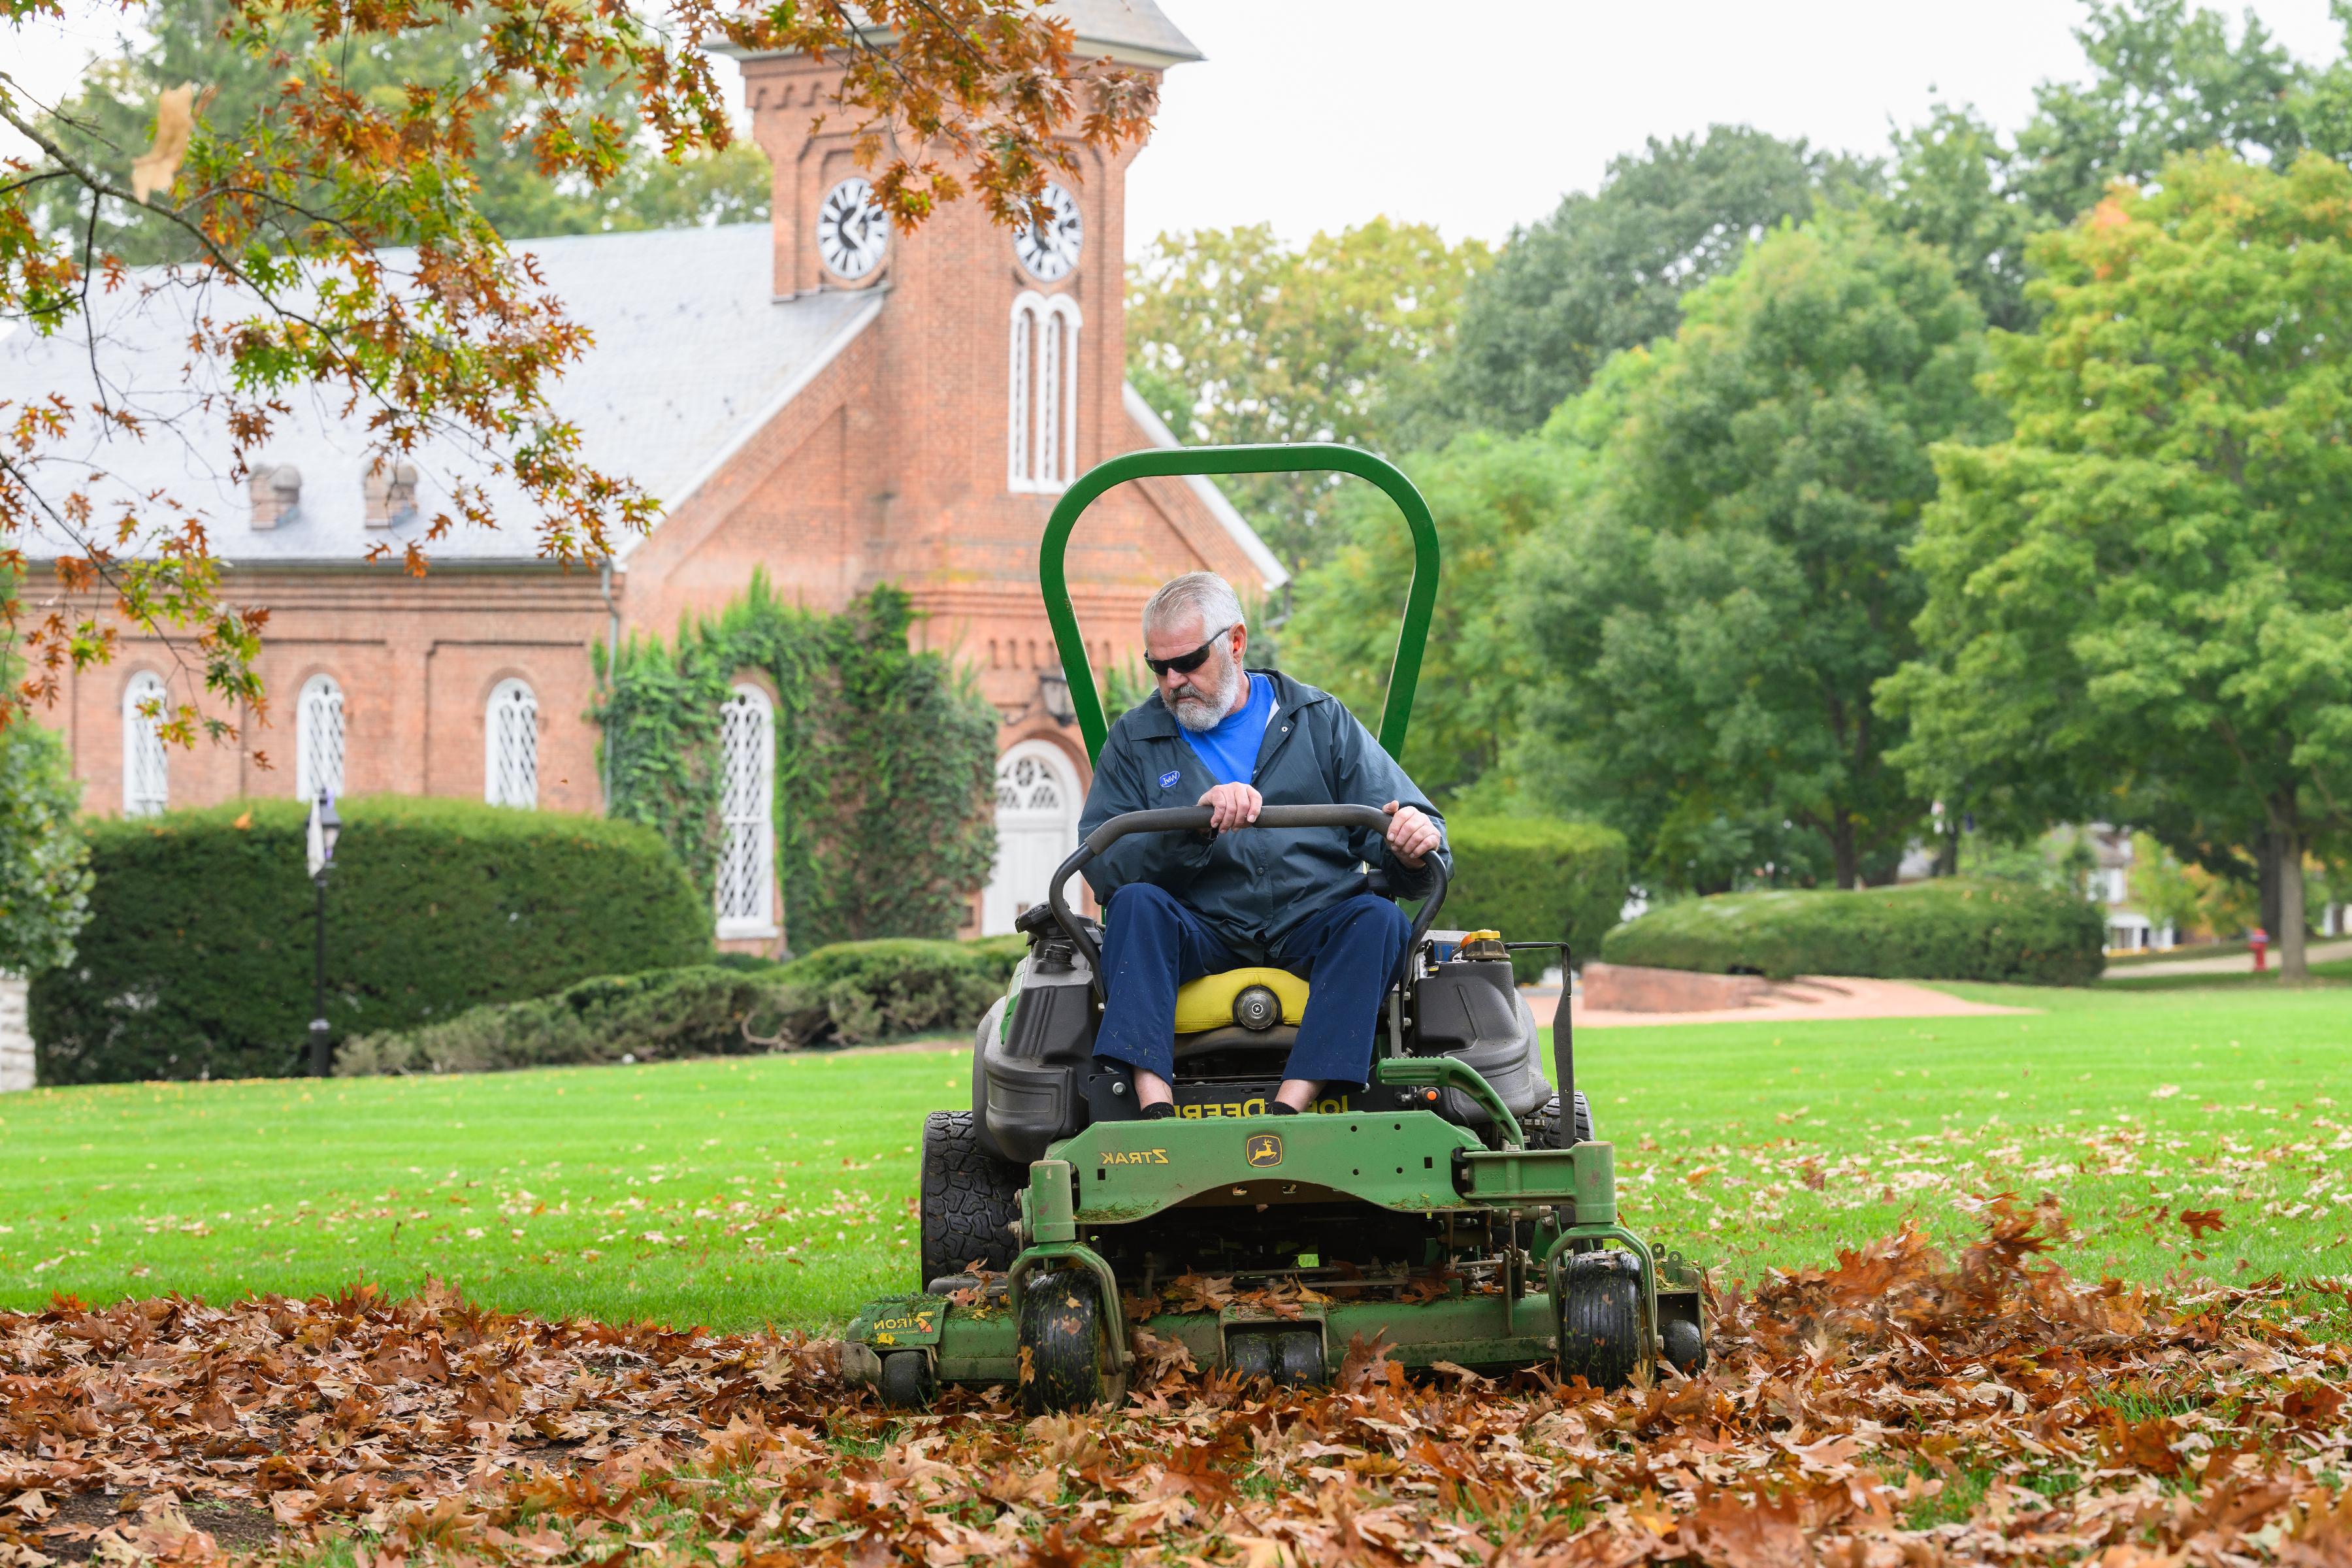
{"x": 1050, "y": 249}
{"x": 852, "y": 230}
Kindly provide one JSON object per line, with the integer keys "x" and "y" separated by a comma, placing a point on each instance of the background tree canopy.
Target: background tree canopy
{"x": 1682, "y": 436}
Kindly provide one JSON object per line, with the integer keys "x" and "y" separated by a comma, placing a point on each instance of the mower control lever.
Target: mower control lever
{"x": 1195, "y": 819}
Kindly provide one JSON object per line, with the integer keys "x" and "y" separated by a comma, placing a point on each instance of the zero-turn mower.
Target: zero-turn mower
{"x": 1450, "y": 1204}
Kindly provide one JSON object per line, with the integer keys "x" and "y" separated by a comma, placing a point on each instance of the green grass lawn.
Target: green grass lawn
{"x": 780, "y": 1190}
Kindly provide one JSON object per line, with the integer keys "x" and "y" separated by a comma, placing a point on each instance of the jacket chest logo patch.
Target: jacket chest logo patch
{"x": 1168, "y": 780}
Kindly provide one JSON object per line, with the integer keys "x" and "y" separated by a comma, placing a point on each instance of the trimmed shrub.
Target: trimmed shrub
{"x": 197, "y": 958}
{"x": 1536, "y": 879}
{"x": 702, "y": 1011}
{"x": 1948, "y": 929}
{"x": 850, "y": 994}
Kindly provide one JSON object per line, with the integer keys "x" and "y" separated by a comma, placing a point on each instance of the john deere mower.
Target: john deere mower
{"x": 1459, "y": 1204}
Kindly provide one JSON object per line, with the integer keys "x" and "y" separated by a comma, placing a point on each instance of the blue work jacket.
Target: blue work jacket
{"x": 1254, "y": 886}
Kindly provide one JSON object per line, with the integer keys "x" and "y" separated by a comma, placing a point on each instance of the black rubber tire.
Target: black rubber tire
{"x": 1539, "y": 1126}
{"x": 1298, "y": 1359}
{"x": 971, "y": 1200}
{"x": 1251, "y": 1356}
{"x": 907, "y": 1383}
{"x": 1685, "y": 1346}
{"x": 1062, "y": 1338}
{"x": 1599, "y": 1320}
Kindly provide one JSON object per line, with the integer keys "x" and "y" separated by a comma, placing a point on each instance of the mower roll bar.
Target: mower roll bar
{"x": 1284, "y": 457}
{"x": 1195, "y": 819}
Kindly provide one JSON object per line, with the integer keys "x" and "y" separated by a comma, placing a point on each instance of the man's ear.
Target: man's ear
{"x": 1241, "y": 639}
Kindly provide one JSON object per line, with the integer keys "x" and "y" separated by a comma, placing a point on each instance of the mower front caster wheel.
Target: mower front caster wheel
{"x": 907, "y": 1382}
{"x": 1685, "y": 1345}
{"x": 1601, "y": 1319}
{"x": 1064, "y": 1344}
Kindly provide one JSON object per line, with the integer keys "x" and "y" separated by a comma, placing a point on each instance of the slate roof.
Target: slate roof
{"x": 692, "y": 354}
{"x": 1136, "y": 31}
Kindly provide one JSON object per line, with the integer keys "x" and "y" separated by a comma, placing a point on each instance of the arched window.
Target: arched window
{"x": 747, "y": 852}
{"x": 511, "y": 746}
{"x": 146, "y": 770}
{"x": 1042, "y": 410}
{"x": 1037, "y": 800}
{"x": 318, "y": 738}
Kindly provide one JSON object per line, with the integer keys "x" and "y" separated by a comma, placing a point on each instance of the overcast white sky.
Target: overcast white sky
{"x": 1320, "y": 113}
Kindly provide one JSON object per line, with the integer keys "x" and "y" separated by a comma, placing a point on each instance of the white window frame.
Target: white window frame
{"x": 146, "y": 765}
{"x": 319, "y": 723}
{"x": 510, "y": 745}
{"x": 1042, "y": 405}
{"x": 746, "y": 867}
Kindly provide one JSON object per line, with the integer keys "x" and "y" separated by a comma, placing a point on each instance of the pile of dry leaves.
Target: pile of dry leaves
{"x": 1900, "y": 1409}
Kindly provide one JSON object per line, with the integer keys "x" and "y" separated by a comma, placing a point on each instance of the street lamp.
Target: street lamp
{"x": 1054, "y": 696}
{"x": 325, "y": 828}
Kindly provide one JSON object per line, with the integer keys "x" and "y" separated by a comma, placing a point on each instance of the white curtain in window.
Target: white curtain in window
{"x": 1042, "y": 412}
{"x": 318, "y": 738}
{"x": 146, "y": 770}
{"x": 747, "y": 853}
{"x": 511, "y": 746}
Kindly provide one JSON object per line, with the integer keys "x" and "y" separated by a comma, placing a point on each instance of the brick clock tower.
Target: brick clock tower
{"x": 997, "y": 378}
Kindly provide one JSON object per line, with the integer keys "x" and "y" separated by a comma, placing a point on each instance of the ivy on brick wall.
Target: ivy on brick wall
{"x": 885, "y": 760}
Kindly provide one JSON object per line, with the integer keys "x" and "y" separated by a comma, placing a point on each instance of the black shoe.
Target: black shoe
{"x": 1159, "y": 1113}
{"x": 1277, "y": 1107}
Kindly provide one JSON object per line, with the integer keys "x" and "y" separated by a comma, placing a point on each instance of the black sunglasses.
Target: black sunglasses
{"x": 1185, "y": 663}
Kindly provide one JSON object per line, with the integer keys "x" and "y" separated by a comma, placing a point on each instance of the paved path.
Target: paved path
{"x": 1812, "y": 997}
{"x": 2231, "y": 963}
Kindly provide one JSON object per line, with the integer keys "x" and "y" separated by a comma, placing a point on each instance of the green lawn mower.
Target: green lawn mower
{"x": 1459, "y": 1204}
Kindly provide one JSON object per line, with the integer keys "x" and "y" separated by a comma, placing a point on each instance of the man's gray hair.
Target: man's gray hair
{"x": 1203, "y": 593}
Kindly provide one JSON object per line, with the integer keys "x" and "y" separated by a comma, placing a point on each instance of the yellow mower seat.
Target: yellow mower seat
{"x": 1208, "y": 1003}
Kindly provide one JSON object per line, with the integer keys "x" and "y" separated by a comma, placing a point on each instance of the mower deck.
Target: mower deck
{"x": 1296, "y": 1320}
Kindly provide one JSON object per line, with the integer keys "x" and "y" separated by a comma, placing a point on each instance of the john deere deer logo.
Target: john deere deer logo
{"x": 1264, "y": 1149}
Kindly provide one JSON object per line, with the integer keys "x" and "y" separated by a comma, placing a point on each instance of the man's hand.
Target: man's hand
{"x": 1231, "y": 806}
{"x": 1412, "y": 836}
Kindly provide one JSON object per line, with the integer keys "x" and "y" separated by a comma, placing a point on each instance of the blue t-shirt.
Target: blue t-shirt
{"x": 1229, "y": 751}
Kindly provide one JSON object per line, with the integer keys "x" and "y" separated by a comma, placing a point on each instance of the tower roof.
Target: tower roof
{"x": 1132, "y": 32}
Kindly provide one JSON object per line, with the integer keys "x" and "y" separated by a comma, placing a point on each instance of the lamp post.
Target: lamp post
{"x": 325, "y": 828}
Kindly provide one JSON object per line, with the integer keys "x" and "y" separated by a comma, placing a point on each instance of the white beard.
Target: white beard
{"x": 1200, "y": 710}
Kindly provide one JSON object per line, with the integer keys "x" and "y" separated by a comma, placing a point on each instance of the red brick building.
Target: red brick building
{"x": 837, "y": 403}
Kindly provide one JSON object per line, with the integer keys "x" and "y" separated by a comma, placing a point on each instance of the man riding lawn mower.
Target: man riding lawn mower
{"x": 1259, "y": 1111}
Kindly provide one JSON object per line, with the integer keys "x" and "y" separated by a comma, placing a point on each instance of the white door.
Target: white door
{"x": 1036, "y": 829}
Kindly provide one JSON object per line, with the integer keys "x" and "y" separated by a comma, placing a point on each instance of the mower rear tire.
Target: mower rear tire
{"x": 1601, "y": 1319}
{"x": 1539, "y": 1126}
{"x": 971, "y": 1200}
{"x": 907, "y": 1382}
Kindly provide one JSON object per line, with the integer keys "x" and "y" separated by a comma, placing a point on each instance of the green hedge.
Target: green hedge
{"x": 197, "y": 958}
{"x": 1535, "y": 879}
{"x": 1948, "y": 929}
{"x": 849, "y": 993}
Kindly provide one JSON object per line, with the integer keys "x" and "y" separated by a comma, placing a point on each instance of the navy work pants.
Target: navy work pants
{"x": 1348, "y": 955}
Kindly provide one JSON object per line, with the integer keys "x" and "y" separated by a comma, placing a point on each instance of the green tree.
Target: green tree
{"x": 43, "y": 861}
{"x": 2151, "y": 575}
{"x": 1487, "y": 493}
{"x": 1710, "y": 627}
{"x": 1233, "y": 336}
{"x": 1952, "y": 184}
{"x": 2165, "y": 79}
{"x": 1608, "y": 270}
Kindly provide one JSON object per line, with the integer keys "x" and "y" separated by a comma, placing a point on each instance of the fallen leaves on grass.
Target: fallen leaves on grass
{"x": 1900, "y": 1410}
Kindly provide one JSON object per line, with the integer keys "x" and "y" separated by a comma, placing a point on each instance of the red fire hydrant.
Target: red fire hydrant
{"x": 2261, "y": 942}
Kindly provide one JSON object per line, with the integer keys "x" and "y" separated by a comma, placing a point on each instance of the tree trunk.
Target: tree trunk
{"x": 1846, "y": 858}
{"x": 2268, "y": 859}
{"x": 2294, "y": 964}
